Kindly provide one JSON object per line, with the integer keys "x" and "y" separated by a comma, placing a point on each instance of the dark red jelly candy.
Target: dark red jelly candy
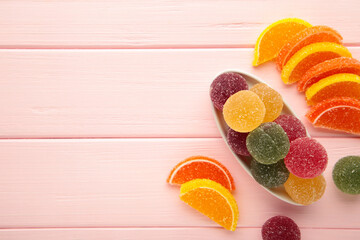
{"x": 224, "y": 86}
{"x": 292, "y": 126}
{"x": 237, "y": 142}
{"x": 280, "y": 228}
{"x": 307, "y": 158}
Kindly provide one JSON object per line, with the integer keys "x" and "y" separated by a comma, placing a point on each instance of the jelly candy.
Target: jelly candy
{"x": 268, "y": 143}
{"x": 280, "y": 228}
{"x": 213, "y": 200}
{"x": 346, "y": 174}
{"x": 270, "y": 176}
{"x": 201, "y": 167}
{"x": 328, "y": 68}
{"x": 244, "y": 111}
{"x": 305, "y": 37}
{"x": 292, "y": 126}
{"x": 272, "y": 100}
{"x": 308, "y": 57}
{"x": 305, "y": 191}
{"x": 342, "y": 114}
{"x": 338, "y": 85}
{"x": 237, "y": 142}
{"x": 224, "y": 86}
{"x": 307, "y": 158}
{"x": 274, "y": 37}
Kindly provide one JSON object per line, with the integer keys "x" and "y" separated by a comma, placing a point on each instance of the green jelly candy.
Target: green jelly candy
{"x": 268, "y": 143}
{"x": 346, "y": 174}
{"x": 270, "y": 176}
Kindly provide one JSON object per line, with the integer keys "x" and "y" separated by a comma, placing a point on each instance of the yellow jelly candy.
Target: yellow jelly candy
{"x": 272, "y": 100}
{"x": 244, "y": 111}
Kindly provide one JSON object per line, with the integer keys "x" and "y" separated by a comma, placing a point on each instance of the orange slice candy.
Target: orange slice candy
{"x": 308, "y": 57}
{"x": 213, "y": 200}
{"x": 203, "y": 168}
{"x": 328, "y": 68}
{"x": 304, "y": 38}
{"x": 338, "y": 85}
{"x": 274, "y": 37}
{"x": 342, "y": 114}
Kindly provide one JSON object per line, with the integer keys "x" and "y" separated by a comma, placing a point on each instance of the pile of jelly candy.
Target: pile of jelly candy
{"x": 279, "y": 149}
{"x": 314, "y": 57}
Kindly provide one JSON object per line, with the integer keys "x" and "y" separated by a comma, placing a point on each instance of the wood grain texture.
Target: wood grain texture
{"x": 122, "y": 183}
{"x": 160, "y": 23}
{"x": 123, "y": 93}
{"x": 166, "y": 234}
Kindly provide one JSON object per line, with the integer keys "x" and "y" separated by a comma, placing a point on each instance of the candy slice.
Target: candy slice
{"x": 342, "y": 114}
{"x": 274, "y": 37}
{"x": 270, "y": 176}
{"x": 328, "y": 68}
{"x": 308, "y": 57}
{"x": 244, "y": 111}
{"x": 201, "y": 167}
{"x": 307, "y": 158}
{"x": 346, "y": 174}
{"x": 305, "y": 37}
{"x": 338, "y": 85}
{"x": 292, "y": 126}
{"x": 213, "y": 200}
{"x": 280, "y": 228}
{"x": 272, "y": 100}
{"x": 237, "y": 142}
{"x": 305, "y": 191}
{"x": 226, "y": 85}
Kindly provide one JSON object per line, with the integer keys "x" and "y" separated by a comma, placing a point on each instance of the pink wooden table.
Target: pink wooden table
{"x": 100, "y": 99}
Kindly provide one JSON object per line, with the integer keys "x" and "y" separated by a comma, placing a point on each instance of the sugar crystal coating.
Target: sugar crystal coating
{"x": 305, "y": 191}
{"x": 224, "y": 86}
{"x": 270, "y": 176}
{"x": 268, "y": 143}
{"x": 280, "y": 228}
{"x": 346, "y": 174}
{"x": 237, "y": 142}
{"x": 272, "y": 100}
{"x": 292, "y": 126}
{"x": 307, "y": 158}
{"x": 244, "y": 111}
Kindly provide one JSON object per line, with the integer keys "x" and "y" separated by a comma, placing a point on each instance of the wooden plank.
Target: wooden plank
{"x": 166, "y": 233}
{"x": 160, "y": 23}
{"x": 122, "y": 183}
{"x": 107, "y": 93}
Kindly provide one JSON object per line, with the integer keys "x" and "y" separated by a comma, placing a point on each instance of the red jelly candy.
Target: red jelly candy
{"x": 224, "y": 86}
{"x": 237, "y": 142}
{"x": 292, "y": 126}
{"x": 280, "y": 228}
{"x": 307, "y": 158}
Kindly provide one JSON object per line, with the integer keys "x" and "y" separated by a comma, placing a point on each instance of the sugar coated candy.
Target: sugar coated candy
{"x": 307, "y": 158}
{"x": 292, "y": 126}
{"x": 268, "y": 143}
{"x": 280, "y": 228}
{"x": 305, "y": 191}
{"x": 272, "y": 100}
{"x": 244, "y": 111}
{"x": 346, "y": 174}
{"x": 237, "y": 142}
{"x": 270, "y": 176}
{"x": 226, "y": 85}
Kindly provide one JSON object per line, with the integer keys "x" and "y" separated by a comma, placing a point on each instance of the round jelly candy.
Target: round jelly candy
{"x": 346, "y": 174}
{"x": 280, "y": 228}
{"x": 292, "y": 126}
{"x": 224, "y": 86}
{"x": 270, "y": 176}
{"x": 305, "y": 191}
{"x": 268, "y": 143}
{"x": 244, "y": 111}
{"x": 272, "y": 100}
{"x": 237, "y": 142}
{"x": 307, "y": 158}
